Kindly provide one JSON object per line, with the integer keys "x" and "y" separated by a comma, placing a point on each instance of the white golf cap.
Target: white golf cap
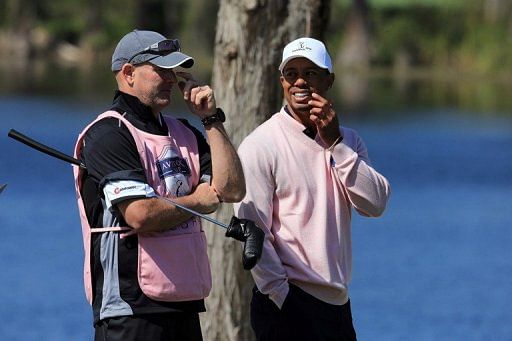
{"x": 309, "y": 48}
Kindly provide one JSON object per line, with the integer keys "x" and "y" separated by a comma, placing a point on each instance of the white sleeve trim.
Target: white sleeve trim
{"x": 116, "y": 191}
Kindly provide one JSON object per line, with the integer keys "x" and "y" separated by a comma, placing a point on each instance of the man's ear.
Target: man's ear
{"x": 282, "y": 80}
{"x": 127, "y": 73}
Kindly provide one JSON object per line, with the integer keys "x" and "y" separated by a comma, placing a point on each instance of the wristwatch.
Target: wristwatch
{"x": 219, "y": 116}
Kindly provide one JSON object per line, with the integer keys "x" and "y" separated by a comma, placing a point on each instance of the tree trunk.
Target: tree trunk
{"x": 249, "y": 40}
{"x": 496, "y": 10}
{"x": 353, "y": 57}
{"x": 355, "y": 51}
{"x": 18, "y": 20}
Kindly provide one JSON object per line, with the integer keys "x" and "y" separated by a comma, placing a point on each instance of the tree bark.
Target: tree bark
{"x": 355, "y": 52}
{"x": 496, "y": 10}
{"x": 250, "y": 36}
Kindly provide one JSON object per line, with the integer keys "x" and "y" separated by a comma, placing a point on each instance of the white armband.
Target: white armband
{"x": 116, "y": 191}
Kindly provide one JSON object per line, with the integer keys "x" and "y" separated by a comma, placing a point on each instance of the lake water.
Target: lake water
{"x": 436, "y": 266}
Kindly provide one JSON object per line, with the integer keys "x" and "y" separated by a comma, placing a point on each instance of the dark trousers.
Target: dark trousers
{"x": 302, "y": 317}
{"x": 150, "y": 327}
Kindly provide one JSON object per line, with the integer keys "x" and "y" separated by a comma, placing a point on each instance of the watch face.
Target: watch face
{"x": 222, "y": 116}
{"x": 219, "y": 116}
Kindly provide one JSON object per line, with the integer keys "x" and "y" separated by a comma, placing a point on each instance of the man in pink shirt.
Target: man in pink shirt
{"x": 305, "y": 173}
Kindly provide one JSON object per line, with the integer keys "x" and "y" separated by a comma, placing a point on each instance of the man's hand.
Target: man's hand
{"x": 199, "y": 98}
{"x": 325, "y": 118}
{"x": 206, "y": 198}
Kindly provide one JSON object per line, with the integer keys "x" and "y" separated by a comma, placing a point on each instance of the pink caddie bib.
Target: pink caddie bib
{"x": 172, "y": 265}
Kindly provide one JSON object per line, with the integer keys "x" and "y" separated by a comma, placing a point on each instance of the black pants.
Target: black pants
{"x": 150, "y": 327}
{"x": 302, "y": 317}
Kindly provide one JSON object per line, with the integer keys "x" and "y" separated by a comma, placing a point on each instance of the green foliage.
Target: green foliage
{"x": 398, "y": 34}
{"x": 386, "y": 4}
{"x": 426, "y": 34}
{"x": 450, "y": 34}
{"x": 442, "y": 37}
{"x": 63, "y": 19}
{"x": 118, "y": 19}
{"x": 486, "y": 49}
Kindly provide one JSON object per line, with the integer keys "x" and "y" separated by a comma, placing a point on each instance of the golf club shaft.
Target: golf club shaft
{"x": 59, "y": 155}
{"x": 43, "y": 148}
{"x": 205, "y": 217}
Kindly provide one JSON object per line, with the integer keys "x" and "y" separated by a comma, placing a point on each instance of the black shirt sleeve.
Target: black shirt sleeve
{"x": 109, "y": 149}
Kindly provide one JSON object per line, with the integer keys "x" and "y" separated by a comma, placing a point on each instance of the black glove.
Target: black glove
{"x": 248, "y": 232}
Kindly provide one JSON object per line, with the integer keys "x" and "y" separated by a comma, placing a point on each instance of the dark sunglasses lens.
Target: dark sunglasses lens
{"x": 169, "y": 45}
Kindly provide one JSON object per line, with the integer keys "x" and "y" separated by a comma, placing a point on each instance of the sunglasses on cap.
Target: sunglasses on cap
{"x": 161, "y": 48}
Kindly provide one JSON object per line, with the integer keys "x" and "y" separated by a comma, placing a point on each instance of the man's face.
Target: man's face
{"x": 300, "y": 78}
{"x": 153, "y": 85}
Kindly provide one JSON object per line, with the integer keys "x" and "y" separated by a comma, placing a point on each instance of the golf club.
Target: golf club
{"x": 55, "y": 153}
{"x": 43, "y": 148}
{"x": 243, "y": 230}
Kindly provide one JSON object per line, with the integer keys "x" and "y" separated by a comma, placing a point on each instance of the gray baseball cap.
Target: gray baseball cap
{"x": 143, "y": 46}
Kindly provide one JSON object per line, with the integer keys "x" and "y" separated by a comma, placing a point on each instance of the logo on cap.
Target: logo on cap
{"x": 302, "y": 47}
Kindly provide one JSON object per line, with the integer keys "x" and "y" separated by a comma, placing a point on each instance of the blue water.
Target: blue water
{"x": 436, "y": 266}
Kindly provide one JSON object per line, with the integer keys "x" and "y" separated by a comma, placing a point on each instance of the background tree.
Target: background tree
{"x": 250, "y": 36}
{"x": 16, "y": 17}
{"x": 355, "y": 52}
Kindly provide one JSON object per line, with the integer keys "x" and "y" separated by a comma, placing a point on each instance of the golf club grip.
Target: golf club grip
{"x": 253, "y": 246}
{"x": 251, "y": 235}
{"x": 43, "y": 148}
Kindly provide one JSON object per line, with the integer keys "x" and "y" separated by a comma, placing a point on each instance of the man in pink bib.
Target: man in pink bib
{"x": 146, "y": 269}
{"x": 305, "y": 174}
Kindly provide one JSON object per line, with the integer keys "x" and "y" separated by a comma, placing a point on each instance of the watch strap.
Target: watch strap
{"x": 219, "y": 116}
